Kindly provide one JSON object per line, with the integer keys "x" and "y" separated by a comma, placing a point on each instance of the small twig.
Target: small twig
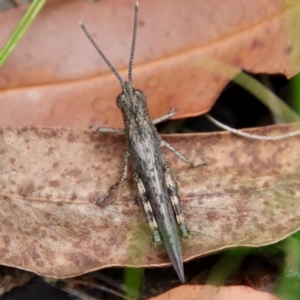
{"x": 250, "y": 135}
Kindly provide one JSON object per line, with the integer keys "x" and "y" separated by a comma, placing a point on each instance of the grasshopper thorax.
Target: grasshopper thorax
{"x": 131, "y": 98}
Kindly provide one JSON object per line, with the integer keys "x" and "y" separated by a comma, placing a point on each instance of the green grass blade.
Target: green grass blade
{"x": 267, "y": 97}
{"x": 295, "y": 88}
{"x": 21, "y": 28}
{"x": 253, "y": 86}
{"x": 133, "y": 282}
{"x": 288, "y": 284}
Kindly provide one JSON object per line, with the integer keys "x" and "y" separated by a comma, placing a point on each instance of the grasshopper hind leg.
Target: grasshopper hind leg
{"x": 142, "y": 195}
{"x": 176, "y": 203}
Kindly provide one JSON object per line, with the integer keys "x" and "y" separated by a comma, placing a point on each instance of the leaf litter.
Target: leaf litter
{"x": 246, "y": 195}
{"x": 68, "y": 86}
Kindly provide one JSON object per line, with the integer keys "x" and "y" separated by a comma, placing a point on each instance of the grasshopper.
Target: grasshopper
{"x": 155, "y": 183}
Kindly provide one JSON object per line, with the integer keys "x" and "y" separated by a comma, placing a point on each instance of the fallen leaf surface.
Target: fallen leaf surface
{"x": 56, "y": 78}
{"x": 246, "y": 195}
{"x": 215, "y": 293}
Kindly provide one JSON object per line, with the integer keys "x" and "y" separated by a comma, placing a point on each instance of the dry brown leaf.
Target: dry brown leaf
{"x": 214, "y": 293}
{"x": 55, "y": 77}
{"x": 246, "y": 195}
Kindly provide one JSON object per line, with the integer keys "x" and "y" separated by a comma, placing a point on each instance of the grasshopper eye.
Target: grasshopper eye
{"x": 120, "y": 100}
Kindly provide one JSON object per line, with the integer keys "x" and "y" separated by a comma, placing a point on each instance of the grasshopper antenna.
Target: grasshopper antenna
{"x": 131, "y": 53}
{"x": 101, "y": 53}
{"x": 136, "y": 11}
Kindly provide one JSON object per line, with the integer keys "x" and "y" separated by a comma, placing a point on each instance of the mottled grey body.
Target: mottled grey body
{"x": 151, "y": 172}
{"x": 156, "y": 186}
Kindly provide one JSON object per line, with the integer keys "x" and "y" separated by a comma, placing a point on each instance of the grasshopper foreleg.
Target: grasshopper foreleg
{"x": 110, "y": 130}
{"x": 121, "y": 179}
{"x": 165, "y": 117}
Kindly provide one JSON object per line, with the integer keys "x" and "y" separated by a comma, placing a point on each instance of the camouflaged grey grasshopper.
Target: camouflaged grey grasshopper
{"x": 156, "y": 186}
